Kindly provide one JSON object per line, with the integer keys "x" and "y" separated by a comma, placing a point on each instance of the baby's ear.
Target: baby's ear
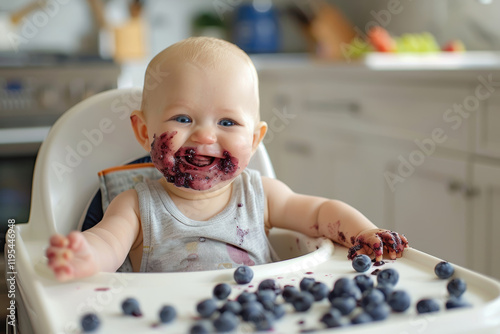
{"x": 258, "y": 135}
{"x": 140, "y": 129}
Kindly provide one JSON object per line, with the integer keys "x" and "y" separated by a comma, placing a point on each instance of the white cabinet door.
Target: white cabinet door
{"x": 486, "y": 219}
{"x": 348, "y": 169}
{"x": 430, "y": 208}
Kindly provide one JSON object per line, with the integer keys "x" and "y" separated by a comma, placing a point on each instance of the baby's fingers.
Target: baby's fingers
{"x": 58, "y": 240}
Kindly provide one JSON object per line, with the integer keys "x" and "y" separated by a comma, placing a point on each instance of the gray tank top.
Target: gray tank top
{"x": 236, "y": 236}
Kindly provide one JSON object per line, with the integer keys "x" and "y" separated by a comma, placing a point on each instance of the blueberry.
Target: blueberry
{"x": 361, "y": 318}
{"x": 246, "y": 297}
{"x": 399, "y": 300}
{"x": 90, "y": 322}
{"x": 388, "y": 276}
{"x": 372, "y": 296}
{"x": 332, "y": 318}
{"x": 456, "y": 287}
{"x": 130, "y": 306}
{"x": 206, "y": 308}
{"x": 444, "y": 270}
{"x": 251, "y": 308}
{"x": 361, "y": 263}
{"x": 345, "y": 287}
{"x": 454, "y": 302}
{"x": 167, "y": 314}
{"x": 319, "y": 291}
{"x": 344, "y": 304}
{"x": 278, "y": 310}
{"x": 226, "y": 322}
{"x": 427, "y": 306}
{"x": 231, "y": 306}
{"x": 303, "y": 301}
{"x": 200, "y": 328}
{"x": 364, "y": 282}
{"x": 306, "y": 283}
{"x": 270, "y": 284}
{"x": 222, "y": 291}
{"x": 378, "y": 311}
{"x": 243, "y": 275}
{"x": 263, "y": 295}
{"x": 289, "y": 292}
{"x": 386, "y": 289}
{"x": 263, "y": 320}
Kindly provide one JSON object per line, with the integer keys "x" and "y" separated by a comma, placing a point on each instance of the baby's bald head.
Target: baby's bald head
{"x": 207, "y": 52}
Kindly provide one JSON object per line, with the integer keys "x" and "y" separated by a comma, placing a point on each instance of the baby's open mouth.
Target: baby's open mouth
{"x": 199, "y": 160}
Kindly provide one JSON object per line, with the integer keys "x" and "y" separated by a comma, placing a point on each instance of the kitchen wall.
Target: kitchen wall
{"x": 68, "y": 26}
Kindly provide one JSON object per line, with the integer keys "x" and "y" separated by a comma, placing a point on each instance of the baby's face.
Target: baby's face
{"x": 202, "y": 124}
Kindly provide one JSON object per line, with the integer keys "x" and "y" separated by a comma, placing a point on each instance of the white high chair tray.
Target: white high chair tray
{"x": 55, "y": 307}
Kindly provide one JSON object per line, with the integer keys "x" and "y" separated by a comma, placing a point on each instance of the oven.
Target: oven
{"x": 35, "y": 89}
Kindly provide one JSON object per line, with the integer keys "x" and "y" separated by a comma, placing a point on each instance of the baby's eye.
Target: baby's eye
{"x": 227, "y": 122}
{"x": 182, "y": 119}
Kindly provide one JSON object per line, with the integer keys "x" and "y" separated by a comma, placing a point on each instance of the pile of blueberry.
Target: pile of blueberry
{"x": 353, "y": 301}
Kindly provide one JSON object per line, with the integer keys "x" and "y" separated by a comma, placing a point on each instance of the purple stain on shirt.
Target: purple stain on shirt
{"x": 241, "y": 233}
{"x": 239, "y": 256}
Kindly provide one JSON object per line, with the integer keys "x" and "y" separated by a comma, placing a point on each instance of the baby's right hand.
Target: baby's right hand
{"x": 71, "y": 257}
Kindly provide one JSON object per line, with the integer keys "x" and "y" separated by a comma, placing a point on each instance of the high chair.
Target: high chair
{"x": 95, "y": 135}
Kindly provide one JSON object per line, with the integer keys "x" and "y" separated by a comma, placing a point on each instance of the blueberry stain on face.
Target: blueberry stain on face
{"x": 186, "y": 168}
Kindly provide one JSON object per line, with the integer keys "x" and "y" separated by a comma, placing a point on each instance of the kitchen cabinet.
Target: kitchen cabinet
{"x": 485, "y": 228}
{"x": 397, "y": 147}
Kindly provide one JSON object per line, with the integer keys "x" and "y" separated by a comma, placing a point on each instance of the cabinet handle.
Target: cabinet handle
{"x": 470, "y": 191}
{"x": 466, "y": 190}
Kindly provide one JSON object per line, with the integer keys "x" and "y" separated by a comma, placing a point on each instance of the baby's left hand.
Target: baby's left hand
{"x": 374, "y": 241}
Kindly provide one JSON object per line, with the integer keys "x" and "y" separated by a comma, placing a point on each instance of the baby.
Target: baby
{"x": 201, "y": 126}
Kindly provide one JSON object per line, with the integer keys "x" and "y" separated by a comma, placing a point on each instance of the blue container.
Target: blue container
{"x": 256, "y": 30}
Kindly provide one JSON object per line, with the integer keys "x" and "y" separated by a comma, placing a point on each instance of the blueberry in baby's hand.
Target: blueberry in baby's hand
{"x": 456, "y": 287}
{"x": 90, "y": 322}
{"x": 243, "y": 275}
{"x": 130, "y": 306}
{"x": 167, "y": 314}
{"x": 427, "y": 306}
{"x": 444, "y": 270}
{"x": 361, "y": 263}
{"x": 388, "y": 276}
{"x": 222, "y": 291}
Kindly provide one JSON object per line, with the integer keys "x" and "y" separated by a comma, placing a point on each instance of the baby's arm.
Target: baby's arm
{"x": 336, "y": 220}
{"x": 104, "y": 247}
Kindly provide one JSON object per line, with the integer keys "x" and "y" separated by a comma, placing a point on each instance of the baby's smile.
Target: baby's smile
{"x": 189, "y": 168}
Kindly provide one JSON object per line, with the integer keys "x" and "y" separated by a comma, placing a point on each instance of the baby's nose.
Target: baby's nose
{"x": 204, "y": 135}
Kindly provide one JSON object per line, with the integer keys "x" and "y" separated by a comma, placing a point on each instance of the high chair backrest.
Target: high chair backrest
{"x": 93, "y": 135}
